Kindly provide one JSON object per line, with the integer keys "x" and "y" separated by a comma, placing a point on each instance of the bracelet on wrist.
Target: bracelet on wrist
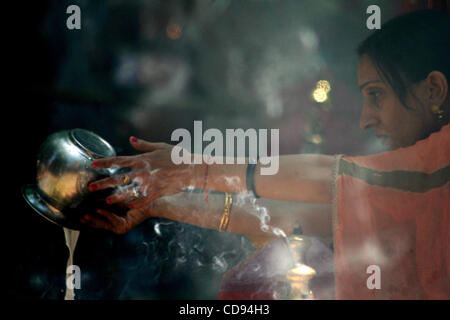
{"x": 225, "y": 220}
{"x": 250, "y": 178}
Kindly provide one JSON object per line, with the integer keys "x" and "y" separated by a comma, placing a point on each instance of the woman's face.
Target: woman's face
{"x": 383, "y": 112}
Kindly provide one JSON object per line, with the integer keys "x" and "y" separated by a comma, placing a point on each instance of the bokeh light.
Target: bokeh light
{"x": 324, "y": 84}
{"x": 316, "y": 139}
{"x": 320, "y": 95}
{"x": 173, "y": 31}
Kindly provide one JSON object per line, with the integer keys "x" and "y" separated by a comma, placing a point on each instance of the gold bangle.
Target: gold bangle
{"x": 226, "y": 213}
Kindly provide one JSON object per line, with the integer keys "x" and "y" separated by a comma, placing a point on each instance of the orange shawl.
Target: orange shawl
{"x": 392, "y": 211}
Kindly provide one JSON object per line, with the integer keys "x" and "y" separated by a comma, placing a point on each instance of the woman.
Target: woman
{"x": 391, "y": 210}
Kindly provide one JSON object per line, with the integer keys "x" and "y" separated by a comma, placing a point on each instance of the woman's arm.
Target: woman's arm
{"x": 300, "y": 178}
{"x": 249, "y": 216}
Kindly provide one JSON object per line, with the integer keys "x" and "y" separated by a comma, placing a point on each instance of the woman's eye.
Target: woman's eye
{"x": 374, "y": 94}
{"x": 374, "y": 97}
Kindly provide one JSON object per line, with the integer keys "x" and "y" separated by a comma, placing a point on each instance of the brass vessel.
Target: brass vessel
{"x": 64, "y": 171}
{"x": 300, "y": 275}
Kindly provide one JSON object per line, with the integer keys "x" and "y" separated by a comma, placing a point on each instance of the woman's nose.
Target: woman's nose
{"x": 368, "y": 118}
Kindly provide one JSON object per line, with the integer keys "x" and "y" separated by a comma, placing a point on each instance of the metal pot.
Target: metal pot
{"x": 64, "y": 172}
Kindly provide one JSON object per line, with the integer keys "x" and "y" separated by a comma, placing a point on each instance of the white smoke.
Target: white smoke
{"x": 261, "y": 212}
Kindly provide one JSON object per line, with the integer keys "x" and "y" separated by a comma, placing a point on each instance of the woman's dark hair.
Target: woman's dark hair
{"x": 407, "y": 48}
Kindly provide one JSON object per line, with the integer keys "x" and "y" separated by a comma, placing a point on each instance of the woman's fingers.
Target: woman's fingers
{"x": 109, "y": 221}
{"x": 95, "y": 222}
{"x": 113, "y": 181}
{"x": 153, "y": 175}
{"x": 153, "y": 191}
{"x": 117, "y": 224}
{"x": 147, "y": 146}
{"x": 123, "y": 195}
{"x": 112, "y": 218}
{"x": 122, "y": 161}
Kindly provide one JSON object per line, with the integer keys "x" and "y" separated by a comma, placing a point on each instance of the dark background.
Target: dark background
{"x": 235, "y": 64}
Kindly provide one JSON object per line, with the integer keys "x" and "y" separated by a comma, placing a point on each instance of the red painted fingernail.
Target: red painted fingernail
{"x": 86, "y": 217}
{"x": 93, "y": 187}
{"x": 134, "y": 139}
{"x": 130, "y": 206}
{"x": 108, "y": 201}
{"x": 94, "y": 164}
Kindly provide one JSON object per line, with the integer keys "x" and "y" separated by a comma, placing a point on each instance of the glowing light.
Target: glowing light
{"x": 316, "y": 139}
{"x": 324, "y": 84}
{"x": 320, "y": 95}
{"x": 173, "y": 31}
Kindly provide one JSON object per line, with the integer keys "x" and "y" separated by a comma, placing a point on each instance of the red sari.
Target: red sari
{"x": 392, "y": 211}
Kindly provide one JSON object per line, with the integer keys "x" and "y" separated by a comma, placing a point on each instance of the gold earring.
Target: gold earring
{"x": 436, "y": 109}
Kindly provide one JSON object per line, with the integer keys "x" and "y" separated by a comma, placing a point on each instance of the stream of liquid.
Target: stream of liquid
{"x": 71, "y": 242}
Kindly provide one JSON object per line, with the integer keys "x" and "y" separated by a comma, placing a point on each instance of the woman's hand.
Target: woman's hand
{"x": 153, "y": 174}
{"x": 115, "y": 223}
